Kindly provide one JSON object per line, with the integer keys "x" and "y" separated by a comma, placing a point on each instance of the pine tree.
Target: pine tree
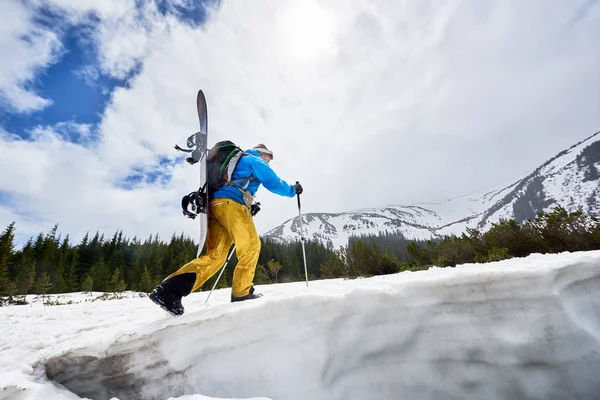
{"x": 145, "y": 285}
{"x": 71, "y": 257}
{"x": 25, "y": 269}
{"x": 7, "y": 238}
{"x": 101, "y": 275}
{"x": 42, "y": 284}
{"x": 59, "y": 269}
{"x": 52, "y": 234}
{"x": 84, "y": 261}
{"x": 88, "y": 284}
{"x": 10, "y": 290}
{"x": 116, "y": 284}
{"x": 90, "y": 252}
{"x": 334, "y": 267}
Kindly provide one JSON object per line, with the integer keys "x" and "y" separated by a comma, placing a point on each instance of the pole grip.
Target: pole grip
{"x": 298, "y": 197}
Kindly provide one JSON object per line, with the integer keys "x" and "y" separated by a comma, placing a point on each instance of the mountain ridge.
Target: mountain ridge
{"x": 570, "y": 179}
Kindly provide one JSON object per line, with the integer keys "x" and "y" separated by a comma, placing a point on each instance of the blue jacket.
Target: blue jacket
{"x": 252, "y": 165}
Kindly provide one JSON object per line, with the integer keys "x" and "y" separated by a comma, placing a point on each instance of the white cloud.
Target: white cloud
{"x": 124, "y": 42}
{"x": 69, "y": 131}
{"x": 25, "y": 50}
{"x": 123, "y": 33}
{"x": 365, "y": 103}
{"x": 55, "y": 181}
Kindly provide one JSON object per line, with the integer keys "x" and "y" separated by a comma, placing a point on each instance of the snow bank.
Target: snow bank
{"x": 521, "y": 328}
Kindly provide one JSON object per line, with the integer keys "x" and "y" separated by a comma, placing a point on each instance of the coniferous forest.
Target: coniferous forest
{"x": 50, "y": 263}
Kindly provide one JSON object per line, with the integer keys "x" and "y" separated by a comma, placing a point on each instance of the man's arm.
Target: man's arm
{"x": 270, "y": 180}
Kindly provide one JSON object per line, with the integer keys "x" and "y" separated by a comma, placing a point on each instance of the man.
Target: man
{"x": 229, "y": 221}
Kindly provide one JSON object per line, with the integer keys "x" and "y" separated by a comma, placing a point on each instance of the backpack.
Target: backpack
{"x": 220, "y": 164}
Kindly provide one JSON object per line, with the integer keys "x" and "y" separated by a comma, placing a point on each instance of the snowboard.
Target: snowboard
{"x": 197, "y": 147}
{"x": 202, "y": 146}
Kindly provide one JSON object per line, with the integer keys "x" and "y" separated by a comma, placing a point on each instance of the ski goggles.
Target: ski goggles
{"x": 264, "y": 151}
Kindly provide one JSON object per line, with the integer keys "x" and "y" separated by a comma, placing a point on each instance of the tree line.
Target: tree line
{"x": 50, "y": 263}
{"x": 553, "y": 232}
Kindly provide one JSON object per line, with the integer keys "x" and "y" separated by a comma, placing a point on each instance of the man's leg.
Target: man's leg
{"x": 192, "y": 275}
{"x": 236, "y": 219}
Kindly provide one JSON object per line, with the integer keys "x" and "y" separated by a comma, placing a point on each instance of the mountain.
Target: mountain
{"x": 570, "y": 179}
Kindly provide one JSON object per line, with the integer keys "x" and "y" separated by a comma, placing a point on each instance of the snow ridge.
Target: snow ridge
{"x": 532, "y": 323}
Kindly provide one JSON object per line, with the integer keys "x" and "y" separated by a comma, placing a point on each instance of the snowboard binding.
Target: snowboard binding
{"x": 197, "y": 201}
{"x": 195, "y": 143}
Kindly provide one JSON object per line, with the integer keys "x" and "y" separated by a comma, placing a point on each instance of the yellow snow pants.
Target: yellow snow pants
{"x": 228, "y": 222}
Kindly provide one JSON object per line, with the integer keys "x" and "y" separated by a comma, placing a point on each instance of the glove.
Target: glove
{"x": 298, "y": 187}
{"x": 254, "y": 209}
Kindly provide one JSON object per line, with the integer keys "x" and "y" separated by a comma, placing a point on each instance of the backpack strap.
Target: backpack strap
{"x": 233, "y": 182}
{"x": 246, "y": 195}
{"x": 250, "y": 179}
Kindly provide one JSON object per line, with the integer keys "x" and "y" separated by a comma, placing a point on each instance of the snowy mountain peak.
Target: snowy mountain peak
{"x": 570, "y": 179}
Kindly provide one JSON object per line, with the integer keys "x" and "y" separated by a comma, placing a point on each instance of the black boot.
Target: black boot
{"x": 167, "y": 301}
{"x": 249, "y": 296}
{"x": 170, "y": 291}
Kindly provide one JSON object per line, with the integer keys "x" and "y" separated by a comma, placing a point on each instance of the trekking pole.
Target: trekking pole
{"x": 302, "y": 236}
{"x": 253, "y": 211}
{"x": 220, "y": 273}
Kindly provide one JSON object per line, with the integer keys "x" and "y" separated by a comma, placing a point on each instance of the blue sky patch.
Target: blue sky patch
{"x": 6, "y": 199}
{"x": 78, "y": 90}
{"x": 190, "y": 12}
{"x": 157, "y": 175}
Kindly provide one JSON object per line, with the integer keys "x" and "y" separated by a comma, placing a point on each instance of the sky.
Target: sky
{"x": 366, "y": 103}
{"x": 520, "y": 328}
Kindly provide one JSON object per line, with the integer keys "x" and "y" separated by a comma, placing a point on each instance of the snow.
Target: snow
{"x": 520, "y": 328}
